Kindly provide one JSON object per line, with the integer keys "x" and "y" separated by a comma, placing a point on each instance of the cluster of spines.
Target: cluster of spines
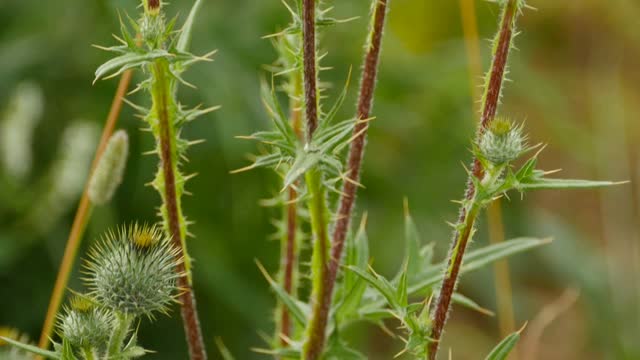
{"x": 133, "y": 271}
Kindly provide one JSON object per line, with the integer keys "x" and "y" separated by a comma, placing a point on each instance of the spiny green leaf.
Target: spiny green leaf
{"x": 352, "y": 286}
{"x": 304, "y": 161}
{"x": 261, "y": 161}
{"x": 401, "y": 291}
{"x": 547, "y": 183}
{"x": 379, "y": 283}
{"x": 338, "y": 350}
{"x": 295, "y": 307}
{"x": 185, "y": 33}
{"x": 30, "y": 348}
{"x": 224, "y": 351}
{"x": 479, "y": 258}
{"x": 470, "y": 304}
{"x": 502, "y": 350}
{"x": 130, "y": 60}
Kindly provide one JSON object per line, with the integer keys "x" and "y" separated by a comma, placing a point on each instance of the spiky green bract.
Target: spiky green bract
{"x": 502, "y": 142}
{"x": 85, "y": 325}
{"x": 133, "y": 271}
{"x": 107, "y": 175}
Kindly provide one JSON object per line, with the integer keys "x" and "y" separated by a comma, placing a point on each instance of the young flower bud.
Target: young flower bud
{"x": 502, "y": 142}
{"x": 85, "y": 325}
{"x": 133, "y": 271}
{"x": 108, "y": 173}
{"x": 152, "y": 7}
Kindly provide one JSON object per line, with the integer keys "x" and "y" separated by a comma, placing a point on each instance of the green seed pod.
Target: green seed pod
{"x": 133, "y": 271}
{"x": 86, "y": 325}
{"x": 108, "y": 174}
{"x": 502, "y": 142}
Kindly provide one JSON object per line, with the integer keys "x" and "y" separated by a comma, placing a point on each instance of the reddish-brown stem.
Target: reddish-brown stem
{"x": 356, "y": 151}
{"x": 188, "y": 308}
{"x": 290, "y": 251}
{"x": 310, "y": 71}
{"x": 82, "y": 217}
{"x": 460, "y": 240}
{"x": 289, "y": 263}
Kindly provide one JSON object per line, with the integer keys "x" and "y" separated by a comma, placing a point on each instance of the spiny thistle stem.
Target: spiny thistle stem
{"x": 289, "y": 262}
{"x": 81, "y": 218}
{"x": 120, "y": 332}
{"x": 289, "y": 246}
{"x": 494, "y": 211}
{"x": 173, "y": 214}
{"x": 316, "y": 331}
{"x": 468, "y": 214}
{"x": 310, "y": 66}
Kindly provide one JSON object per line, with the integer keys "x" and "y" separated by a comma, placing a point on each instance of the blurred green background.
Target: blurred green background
{"x": 575, "y": 83}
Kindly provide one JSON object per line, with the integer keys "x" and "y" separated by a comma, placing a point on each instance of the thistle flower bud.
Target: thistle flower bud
{"x": 107, "y": 175}
{"x": 86, "y": 325}
{"x": 152, "y": 7}
{"x": 502, "y": 142}
{"x": 133, "y": 271}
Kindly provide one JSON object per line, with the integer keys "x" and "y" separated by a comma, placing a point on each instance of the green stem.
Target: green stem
{"x": 89, "y": 354}
{"x": 119, "y": 334}
{"x": 319, "y": 214}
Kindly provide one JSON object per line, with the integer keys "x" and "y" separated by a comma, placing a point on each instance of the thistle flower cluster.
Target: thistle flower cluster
{"x": 502, "y": 143}
{"x": 85, "y": 325}
{"x": 130, "y": 273}
{"x": 133, "y": 271}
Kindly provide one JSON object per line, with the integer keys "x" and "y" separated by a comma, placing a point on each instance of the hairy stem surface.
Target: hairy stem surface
{"x": 119, "y": 334}
{"x": 322, "y": 300}
{"x": 494, "y": 212}
{"x": 319, "y": 214}
{"x": 289, "y": 249}
{"x": 174, "y": 221}
{"x": 463, "y": 232}
{"x": 83, "y": 213}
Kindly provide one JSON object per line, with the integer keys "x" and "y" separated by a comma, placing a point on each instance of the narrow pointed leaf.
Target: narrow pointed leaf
{"x": 296, "y": 308}
{"x": 379, "y": 283}
{"x": 477, "y": 259}
{"x": 30, "y": 348}
{"x": 546, "y": 183}
{"x": 185, "y": 34}
{"x": 304, "y": 161}
{"x": 470, "y": 304}
{"x": 502, "y": 350}
{"x": 120, "y": 63}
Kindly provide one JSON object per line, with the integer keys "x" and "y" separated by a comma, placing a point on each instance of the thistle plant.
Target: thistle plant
{"x": 316, "y": 167}
{"x": 498, "y": 143}
{"x": 162, "y": 53}
{"x": 131, "y": 274}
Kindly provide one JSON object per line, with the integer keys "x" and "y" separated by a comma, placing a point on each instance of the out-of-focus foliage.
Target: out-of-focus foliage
{"x": 577, "y": 80}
